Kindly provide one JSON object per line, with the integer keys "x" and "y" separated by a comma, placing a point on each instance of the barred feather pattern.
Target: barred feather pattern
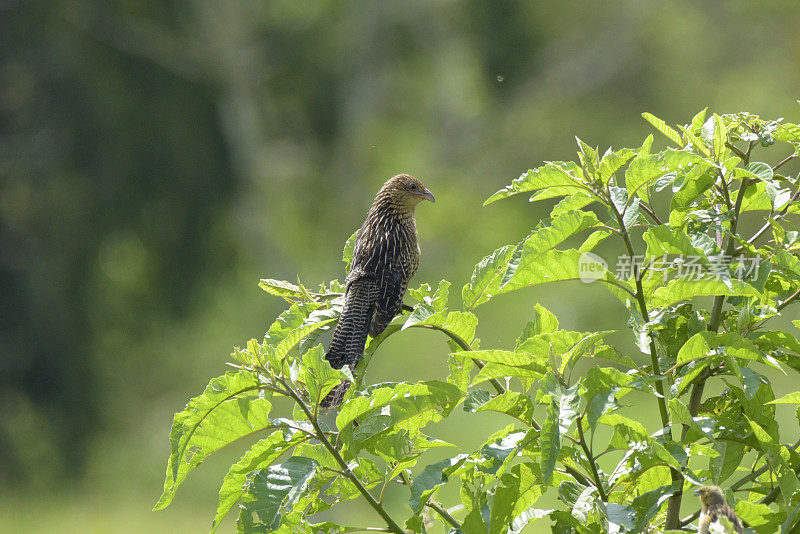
{"x": 714, "y": 507}
{"x": 385, "y": 257}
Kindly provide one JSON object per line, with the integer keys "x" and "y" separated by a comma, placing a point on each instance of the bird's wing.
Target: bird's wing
{"x": 350, "y": 334}
{"x": 716, "y": 512}
{"x": 389, "y": 301}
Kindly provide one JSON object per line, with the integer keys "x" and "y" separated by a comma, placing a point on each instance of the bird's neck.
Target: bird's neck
{"x": 388, "y": 210}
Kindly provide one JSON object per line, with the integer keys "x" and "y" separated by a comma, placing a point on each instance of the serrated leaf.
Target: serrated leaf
{"x": 273, "y": 491}
{"x": 386, "y": 408}
{"x": 220, "y": 415}
{"x": 517, "y": 492}
{"x": 612, "y": 162}
{"x": 260, "y": 455}
{"x": 486, "y": 278}
{"x": 550, "y": 441}
{"x": 564, "y": 174}
{"x": 662, "y": 127}
{"x": 663, "y": 239}
{"x": 791, "y": 398}
{"x": 729, "y": 459}
{"x": 281, "y": 288}
{"x": 680, "y": 289}
{"x": 510, "y": 403}
{"x": 545, "y": 238}
{"x": 754, "y": 514}
{"x": 647, "y": 170}
{"x": 347, "y": 251}
{"x": 317, "y": 375}
{"x": 433, "y": 476}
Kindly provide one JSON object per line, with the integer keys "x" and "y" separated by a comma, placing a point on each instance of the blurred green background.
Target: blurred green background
{"x": 158, "y": 157}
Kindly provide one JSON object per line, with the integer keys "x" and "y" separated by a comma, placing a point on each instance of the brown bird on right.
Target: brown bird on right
{"x": 385, "y": 257}
{"x": 714, "y": 508}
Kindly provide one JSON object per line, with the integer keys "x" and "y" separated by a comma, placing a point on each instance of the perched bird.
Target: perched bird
{"x": 385, "y": 257}
{"x": 714, "y": 508}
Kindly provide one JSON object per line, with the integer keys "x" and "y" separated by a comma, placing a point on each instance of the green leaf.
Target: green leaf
{"x": 729, "y": 459}
{"x": 791, "y": 398}
{"x": 510, "y": 403}
{"x": 349, "y": 247}
{"x": 272, "y": 492}
{"x": 550, "y": 442}
{"x": 552, "y": 174}
{"x": 680, "y": 289}
{"x": 663, "y": 239}
{"x": 433, "y": 476}
{"x": 543, "y": 322}
{"x": 386, "y": 408}
{"x": 646, "y": 170}
{"x": 276, "y": 355}
{"x": 575, "y": 200}
{"x": 460, "y": 323}
{"x": 719, "y": 138}
{"x": 260, "y": 455}
{"x": 612, "y": 162}
{"x": 696, "y": 182}
{"x": 588, "y": 157}
{"x": 619, "y": 515}
{"x": 220, "y": 415}
{"x": 706, "y": 344}
{"x": 517, "y": 492}
{"x": 545, "y": 238}
{"x": 281, "y": 288}
{"x": 318, "y": 376}
{"x": 647, "y": 504}
{"x": 603, "y": 402}
{"x": 754, "y": 514}
{"x": 760, "y": 170}
{"x": 662, "y": 127}
{"x": 486, "y": 278}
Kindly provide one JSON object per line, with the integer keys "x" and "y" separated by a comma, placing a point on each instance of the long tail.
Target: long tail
{"x": 350, "y": 334}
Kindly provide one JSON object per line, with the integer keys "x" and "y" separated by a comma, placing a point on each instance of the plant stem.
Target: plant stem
{"x": 466, "y": 348}
{"x": 597, "y": 481}
{"x": 673, "y": 509}
{"x": 433, "y": 505}
{"x": 393, "y": 526}
{"x": 775, "y": 218}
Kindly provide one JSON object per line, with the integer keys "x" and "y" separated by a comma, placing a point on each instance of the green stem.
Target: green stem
{"x": 458, "y": 340}
{"x": 393, "y": 526}
{"x": 598, "y": 483}
{"x": 673, "y": 508}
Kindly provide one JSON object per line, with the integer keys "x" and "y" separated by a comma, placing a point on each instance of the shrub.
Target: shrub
{"x": 701, "y": 299}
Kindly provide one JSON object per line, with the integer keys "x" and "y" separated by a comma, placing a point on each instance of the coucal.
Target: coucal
{"x": 385, "y": 257}
{"x": 714, "y": 507}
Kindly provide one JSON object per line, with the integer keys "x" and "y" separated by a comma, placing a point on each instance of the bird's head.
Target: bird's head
{"x": 710, "y": 495}
{"x": 407, "y": 190}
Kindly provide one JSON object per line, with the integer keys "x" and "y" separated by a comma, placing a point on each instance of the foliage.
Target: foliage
{"x": 700, "y": 296}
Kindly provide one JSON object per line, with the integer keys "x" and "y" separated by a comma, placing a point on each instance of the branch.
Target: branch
{"x": 433, "y": 505}
{"x": 650, "y": 211}
{"x": 775, "y": 218}
{"x": 597, "y": 482}
{"x": 673, "y": 509}
{"x": 393, "y": 526}
{"x": 784, "y": 161}
{"x": 458, "y": 340}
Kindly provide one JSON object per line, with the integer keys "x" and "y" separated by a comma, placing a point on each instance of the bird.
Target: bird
{"x": 385, "y": 257}
{"x": 713, "y": 508}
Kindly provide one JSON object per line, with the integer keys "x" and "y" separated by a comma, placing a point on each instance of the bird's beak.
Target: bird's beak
{"x": 427, "y": 194}
{"x": 697, "y": 493}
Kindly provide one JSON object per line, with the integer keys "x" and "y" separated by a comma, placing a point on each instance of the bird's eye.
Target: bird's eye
{"x": 411, "y": 185}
